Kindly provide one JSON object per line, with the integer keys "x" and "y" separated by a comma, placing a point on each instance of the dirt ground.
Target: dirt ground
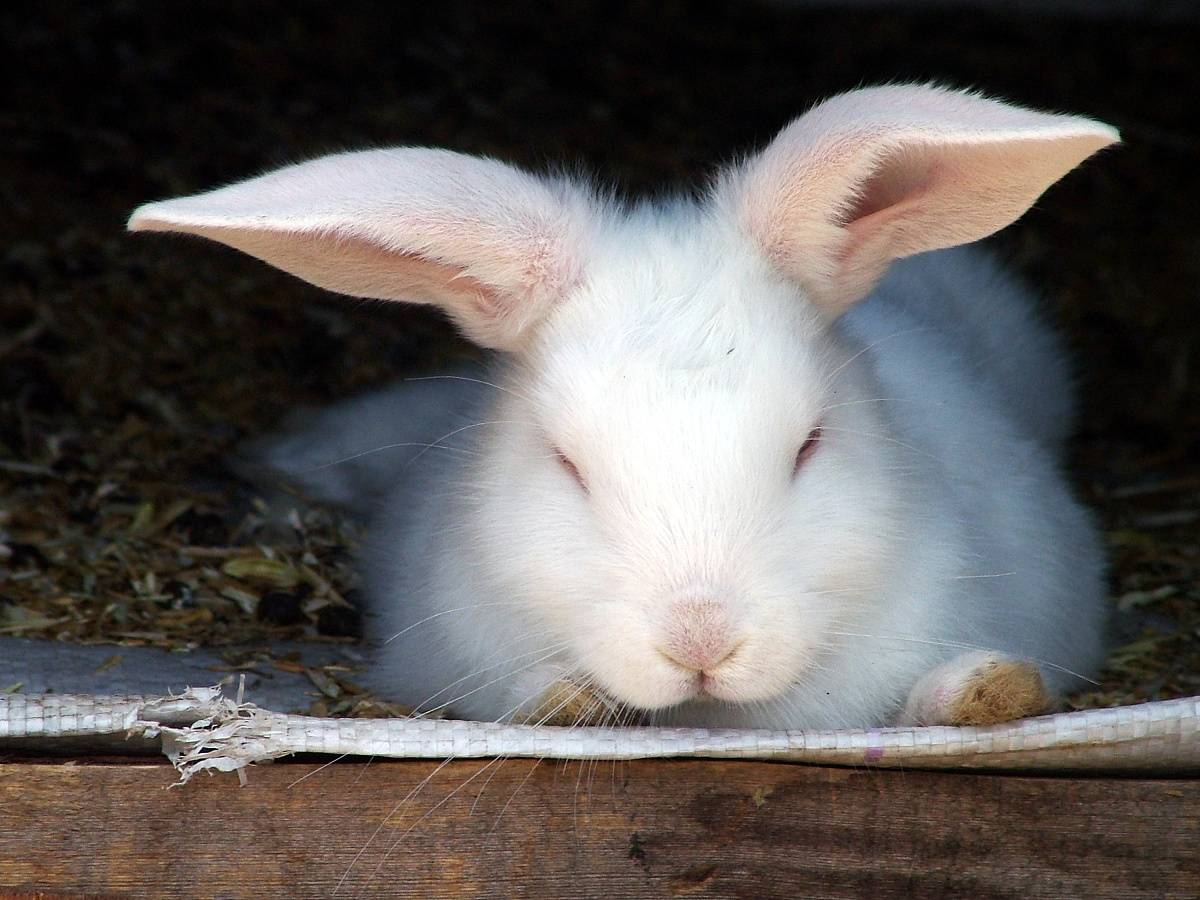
{"x": 131, "y": 365}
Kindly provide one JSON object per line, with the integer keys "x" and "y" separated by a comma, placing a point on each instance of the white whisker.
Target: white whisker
{"x": 960, "y": 645}
{"x": 471, "y": 380}
{"x": 441, "y": 706}
{"x": 403, "y": 801}
{"x": 871, "y": 346}
{"x": 445, "y": 612}
{"x": 429, "y": 812}
{"x": 884, "y": 437}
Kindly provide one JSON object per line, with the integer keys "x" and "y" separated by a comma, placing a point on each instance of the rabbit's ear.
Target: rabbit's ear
{"x": 491, "y": 245}
{"x": 877, "y": 174}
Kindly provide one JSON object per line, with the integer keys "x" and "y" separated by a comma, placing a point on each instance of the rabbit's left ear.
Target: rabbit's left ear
{"x": 490, "y": 244}
{"x": 878, "y": 174}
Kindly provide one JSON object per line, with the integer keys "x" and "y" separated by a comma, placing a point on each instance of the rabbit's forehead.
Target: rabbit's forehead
{"x": 682, "y": 300}
{"x": 685, "y": 341}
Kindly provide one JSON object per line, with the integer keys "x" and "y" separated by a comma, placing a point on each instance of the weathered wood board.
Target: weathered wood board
{"x": 521, "y": 828}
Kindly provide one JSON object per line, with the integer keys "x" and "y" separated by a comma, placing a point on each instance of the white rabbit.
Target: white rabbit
{"x": 720, "y": 473}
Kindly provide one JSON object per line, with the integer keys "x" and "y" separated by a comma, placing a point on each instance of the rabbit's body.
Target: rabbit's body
{"x": 969, "y": 401}
{"x": 714, "y": 478}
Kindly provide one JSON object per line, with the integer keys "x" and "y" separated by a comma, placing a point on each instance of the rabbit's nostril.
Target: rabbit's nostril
{"x": 698, "y": 635}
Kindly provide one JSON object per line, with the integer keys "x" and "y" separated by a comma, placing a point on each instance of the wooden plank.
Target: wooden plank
{"x": 657, "y": 828}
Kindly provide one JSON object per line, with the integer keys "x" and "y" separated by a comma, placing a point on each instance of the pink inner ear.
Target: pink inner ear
{"x": 883, "y": 173}
{"x": 892, "y": 183}
{"x": 362, "y": 268}
{"x": 927, "y": 197}
{"x": 889, "y": 218}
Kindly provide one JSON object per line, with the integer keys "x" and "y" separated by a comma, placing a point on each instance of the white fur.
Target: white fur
{"x": 678, "y": 355}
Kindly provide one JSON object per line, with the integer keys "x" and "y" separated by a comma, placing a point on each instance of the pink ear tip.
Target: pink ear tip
{"x": 143, "y": 219}
{"x": 1111, "y": 135}
{"x": 1096, "y": 136}
{"x": 159, "y": 216}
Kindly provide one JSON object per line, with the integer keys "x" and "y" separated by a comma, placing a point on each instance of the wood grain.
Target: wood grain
{"x": 659, "y": 828}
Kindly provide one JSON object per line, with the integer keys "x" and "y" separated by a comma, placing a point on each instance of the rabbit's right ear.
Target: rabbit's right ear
{"x": 874, "y": 175}
{"x": 491, "y": 245}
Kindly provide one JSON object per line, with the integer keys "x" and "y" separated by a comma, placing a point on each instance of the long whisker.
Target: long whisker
{"x": 441, "y": 706}
{"x": 424, "y": 445}
{"x": 445, "y": 437}
{"x": 959, "y": 645}
{"x": 548, "y": 715}
{"x": 871, "y": 346}
{"x": 429, "y": 812}
{"x": 444, "y": 612}
{"x": 499, "y": 761}
{"x": 524, "y": 781}
{"x": 884, "y": 437}
{"x": 831, "y": 406}
{"x": 319, "y": 768}
{"x": 383, "y": 824}
{"x": 467, "y": 378}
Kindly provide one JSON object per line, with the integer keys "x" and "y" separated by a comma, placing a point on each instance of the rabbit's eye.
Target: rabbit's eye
{"x": 806, "y": 450}
{"x": 570, "y": 468}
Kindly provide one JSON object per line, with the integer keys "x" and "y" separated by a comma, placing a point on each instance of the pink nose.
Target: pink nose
{"x": 698, "y": 634}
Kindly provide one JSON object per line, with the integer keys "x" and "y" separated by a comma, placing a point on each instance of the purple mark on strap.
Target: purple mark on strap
{"x": 874, "y": 753}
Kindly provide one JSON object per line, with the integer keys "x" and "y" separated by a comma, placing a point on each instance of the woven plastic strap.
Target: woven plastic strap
{"x": 204, "y": 730}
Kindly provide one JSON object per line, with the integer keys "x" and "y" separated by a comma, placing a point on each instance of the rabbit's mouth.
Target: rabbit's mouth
{"x": 706, "y": 687}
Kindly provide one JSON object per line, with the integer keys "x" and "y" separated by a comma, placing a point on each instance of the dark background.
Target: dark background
{"x": 141, "y": 360}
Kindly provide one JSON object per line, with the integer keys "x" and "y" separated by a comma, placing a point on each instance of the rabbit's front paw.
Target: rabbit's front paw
{"x": 569, "y": 703}
{"x": 977, "y": 688}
